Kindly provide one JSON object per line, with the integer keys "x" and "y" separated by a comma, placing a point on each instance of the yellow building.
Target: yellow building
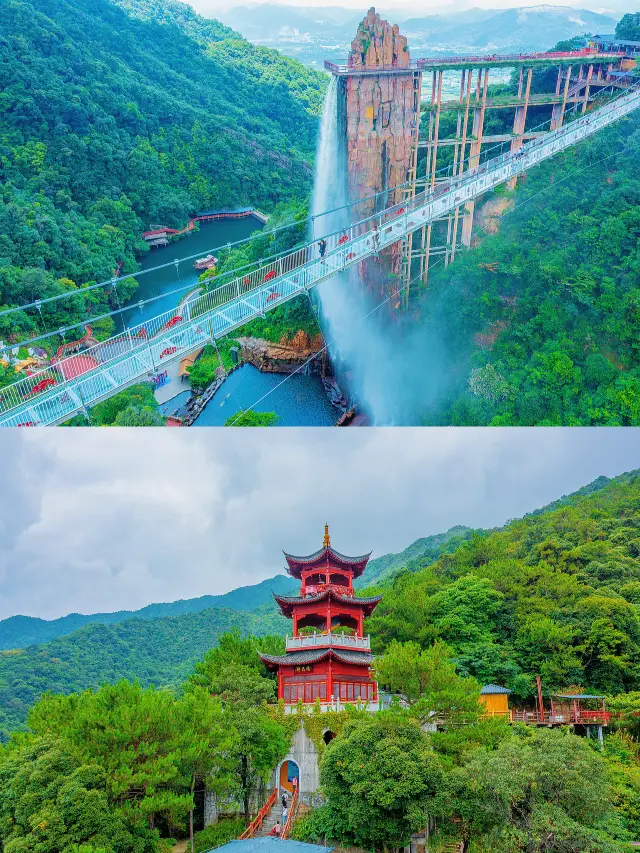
{"x": 496, "y": 700}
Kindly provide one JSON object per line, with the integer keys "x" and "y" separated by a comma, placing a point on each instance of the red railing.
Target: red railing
{"x": 533, "y": 718}
{"x": 419, "y": 64}
{"x": 258, "y": 820}
{"x": 291, "y": 815}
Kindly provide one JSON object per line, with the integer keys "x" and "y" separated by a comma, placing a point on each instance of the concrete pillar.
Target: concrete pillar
{"x": 600, "y": 737}
{"x": 211, "y": 810}
{"x": 586, "y": 89}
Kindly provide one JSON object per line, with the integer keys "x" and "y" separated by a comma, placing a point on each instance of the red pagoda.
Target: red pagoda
{"x": 328, "y": 657}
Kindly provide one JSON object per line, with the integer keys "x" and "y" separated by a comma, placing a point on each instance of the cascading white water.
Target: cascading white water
{"x": 395, "y": 371}
{"x": 354, "y": 340}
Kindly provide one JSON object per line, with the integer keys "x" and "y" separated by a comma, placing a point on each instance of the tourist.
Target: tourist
{"x": 284, "y": 799}
{"x": 284, "y": 815}
{"x": 295, "y": 784}
{"x": 322, "y": 246}
{"x": 277, "y": 829}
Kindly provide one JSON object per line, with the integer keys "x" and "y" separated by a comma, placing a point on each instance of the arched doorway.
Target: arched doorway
{"x": 328, "y": 736}
{"x": 288, "y": 771}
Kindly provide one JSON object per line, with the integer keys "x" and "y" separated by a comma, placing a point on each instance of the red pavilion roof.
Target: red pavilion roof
{"x": 315, "y": 656}
{"x": 326, "y": 558}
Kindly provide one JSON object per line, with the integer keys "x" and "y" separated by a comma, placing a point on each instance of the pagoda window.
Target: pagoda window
{"x": 339, "y": 580}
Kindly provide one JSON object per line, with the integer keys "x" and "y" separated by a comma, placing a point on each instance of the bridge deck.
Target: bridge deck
{"x": 48, "y": 397}
{"x": 457, "y": 63}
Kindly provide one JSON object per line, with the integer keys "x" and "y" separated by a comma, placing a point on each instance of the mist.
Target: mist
{"x": 394, "y": 368}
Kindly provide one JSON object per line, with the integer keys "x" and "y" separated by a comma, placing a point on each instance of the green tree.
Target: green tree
{"x": 135, "y": 734}
{"x": 50, "y": 801}
{"x": 379, "y": 776}
{"x": 542, "y": 790}
{"x": 427, "y": 680}
{"x": 252, "y": 419}
{"x": 628, "y": 27}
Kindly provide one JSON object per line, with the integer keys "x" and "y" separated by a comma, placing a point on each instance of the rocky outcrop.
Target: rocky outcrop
{"x": 285, "y": 357}
{"x": 381, "y": 112}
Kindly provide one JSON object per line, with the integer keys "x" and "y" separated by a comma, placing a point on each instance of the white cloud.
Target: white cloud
{"x": 99, "y": 520}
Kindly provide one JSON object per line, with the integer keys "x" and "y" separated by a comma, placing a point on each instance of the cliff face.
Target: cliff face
{"x": 381, "y": 113}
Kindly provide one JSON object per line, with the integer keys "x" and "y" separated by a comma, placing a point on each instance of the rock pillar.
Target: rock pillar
{"x": 381, "y": 112}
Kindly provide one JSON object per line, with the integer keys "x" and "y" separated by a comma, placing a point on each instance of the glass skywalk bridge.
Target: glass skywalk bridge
{"x": 53, "y": 395}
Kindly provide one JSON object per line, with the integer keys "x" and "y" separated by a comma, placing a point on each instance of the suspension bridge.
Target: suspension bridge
{"x": 55, "y": 394}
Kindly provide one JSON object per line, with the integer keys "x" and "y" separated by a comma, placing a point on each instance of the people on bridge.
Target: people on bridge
{"x": 322, "y": 246}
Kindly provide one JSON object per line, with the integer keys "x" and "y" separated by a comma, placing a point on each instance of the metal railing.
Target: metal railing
{"x": 320, "y": 640}
{"x": 56, "y": 393}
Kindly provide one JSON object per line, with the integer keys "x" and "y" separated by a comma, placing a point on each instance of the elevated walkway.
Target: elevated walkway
{"x": 51, "y": 396}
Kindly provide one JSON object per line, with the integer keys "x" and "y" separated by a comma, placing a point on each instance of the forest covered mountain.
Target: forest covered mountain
{"x": 555, "y": 593}
{"x": 22, "y": 631}
{"x": 114, "y": 117}
{"x": 160, "y": 651}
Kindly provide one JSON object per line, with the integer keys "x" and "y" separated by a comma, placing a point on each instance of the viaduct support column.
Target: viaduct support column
{"x": 461, "y": 161}
{"x": 519, "y": 122}
{"x": 434, "y": 169}
{"x": 474, "y": 156}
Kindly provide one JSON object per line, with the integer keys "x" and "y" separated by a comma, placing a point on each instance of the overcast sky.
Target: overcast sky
{"x": 100, "y": 520}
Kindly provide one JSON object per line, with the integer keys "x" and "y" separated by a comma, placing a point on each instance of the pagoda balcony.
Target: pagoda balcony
{"x": 316, "y": 588}
{"x": 320, "y": 640}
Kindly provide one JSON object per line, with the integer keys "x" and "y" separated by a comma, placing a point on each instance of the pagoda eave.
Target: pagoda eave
{"x": 288, "y": 603}
{"x": 303, "y": 658}
{"x": 323, "y": 558}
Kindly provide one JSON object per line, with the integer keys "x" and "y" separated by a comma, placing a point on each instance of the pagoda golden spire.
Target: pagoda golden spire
{"x": 327, "y": 539}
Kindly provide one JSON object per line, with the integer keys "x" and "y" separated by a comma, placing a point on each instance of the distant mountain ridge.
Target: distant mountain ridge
{"x": 428, "y": 548}
{"x": 22, "y": 631}
{"x": 312, "y": 34}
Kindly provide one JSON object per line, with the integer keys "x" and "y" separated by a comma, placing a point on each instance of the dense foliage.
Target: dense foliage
{"x": 628, "y": 27}
{"x": 540, "y": 322}
{"x": 156, "y": 651}
{"x": 116, "y": 118}
{"x": 554, "y": 594}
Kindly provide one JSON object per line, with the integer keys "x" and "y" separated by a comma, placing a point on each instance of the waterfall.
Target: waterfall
{"x": 393, "y": 370}
{"x": 353, "y": 342}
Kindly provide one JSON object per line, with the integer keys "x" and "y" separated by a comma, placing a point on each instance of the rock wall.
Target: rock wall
{"x": 380, "y": 113}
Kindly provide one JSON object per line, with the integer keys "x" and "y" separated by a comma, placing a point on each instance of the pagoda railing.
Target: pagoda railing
{"x": 308, "y": 641}
{"x": 314, "y": 589}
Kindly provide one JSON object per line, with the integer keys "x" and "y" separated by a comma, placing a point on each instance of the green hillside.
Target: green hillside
{"x": 540, "y": 322}
{"x": 154, "y": 651}
{"x": 426, "y": 549}
{"x": 22, "y": 631}
{"x": 555, "y": 594}
{"x": 112, "y": 119}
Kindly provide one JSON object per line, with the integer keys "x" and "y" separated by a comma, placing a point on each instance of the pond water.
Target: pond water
{"x": 300, "y": 401}
{"x": 162, "y": 282}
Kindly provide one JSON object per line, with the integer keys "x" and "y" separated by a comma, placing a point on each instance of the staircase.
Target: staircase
{"x": 270, "y": 820}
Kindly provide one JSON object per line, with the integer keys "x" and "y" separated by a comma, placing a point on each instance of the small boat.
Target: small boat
{"x": 206, "y": 263}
